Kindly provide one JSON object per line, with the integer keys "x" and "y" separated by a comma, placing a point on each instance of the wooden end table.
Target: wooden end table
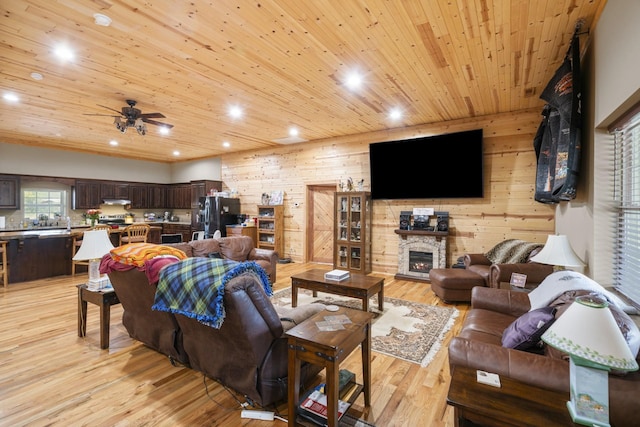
{"x": 308, "y": 343}
{"x": 513, "y": 404}
{"x": 356, "y": 286}
{"x": 103, "y": 299}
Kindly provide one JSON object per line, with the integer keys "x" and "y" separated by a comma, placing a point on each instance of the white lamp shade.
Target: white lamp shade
{"x": 558, "y": 251}
{"x": 588, "y": 331}
{"x": 95, "y": 244}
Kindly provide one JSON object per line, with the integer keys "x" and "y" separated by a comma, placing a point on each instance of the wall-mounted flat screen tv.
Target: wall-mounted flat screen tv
{"x": 435, "y": 167}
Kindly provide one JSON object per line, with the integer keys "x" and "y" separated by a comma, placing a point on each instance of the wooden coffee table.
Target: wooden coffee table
{"x": 356, "y": 286}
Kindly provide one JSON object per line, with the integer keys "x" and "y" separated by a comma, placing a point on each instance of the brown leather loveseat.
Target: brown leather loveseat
{"x": 479, "y": 346}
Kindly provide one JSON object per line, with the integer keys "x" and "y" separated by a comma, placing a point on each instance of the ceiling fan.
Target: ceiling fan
{"x": 131, "y": 117}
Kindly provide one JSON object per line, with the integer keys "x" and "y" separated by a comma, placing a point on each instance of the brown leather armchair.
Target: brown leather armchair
{"x": 499, "y": 275}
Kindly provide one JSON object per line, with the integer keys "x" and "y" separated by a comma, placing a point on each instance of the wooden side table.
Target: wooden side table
{"x": 328, "y": 349}
{"x": 513, "y": 404}
{"x": 103, "y": 299}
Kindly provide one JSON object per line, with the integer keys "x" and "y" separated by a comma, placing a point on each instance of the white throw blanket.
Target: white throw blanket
{"x": 560, "y": 282}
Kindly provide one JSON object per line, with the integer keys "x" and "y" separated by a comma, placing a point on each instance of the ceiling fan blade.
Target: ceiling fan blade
{"x": 153, "y": 122}
{"x": 152, "y": 116}
{"x": 103, "y": 115}
{"x": 108, "y": 108}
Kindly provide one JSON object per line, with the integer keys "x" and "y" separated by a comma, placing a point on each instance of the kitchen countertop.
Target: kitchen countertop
{"x": 52, "y": 232}
{"x": 168, "y": 222}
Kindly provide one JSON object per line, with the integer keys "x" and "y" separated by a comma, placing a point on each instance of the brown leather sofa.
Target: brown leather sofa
{"x": 249, "y": 351}
{"x": 236, "y": 248}
{"x": 499, "y": 275}
{"x": 479, "y": 346}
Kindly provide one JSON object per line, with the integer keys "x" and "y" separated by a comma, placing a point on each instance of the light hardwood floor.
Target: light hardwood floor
{"x": 51, "y": 377}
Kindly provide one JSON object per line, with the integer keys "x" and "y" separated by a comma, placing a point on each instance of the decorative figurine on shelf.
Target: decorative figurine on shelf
{"x": 361, "y": 185}
{"x": 349, "y": 184}
{"x": 265, "y": 198}
{"x": 340, "y": 185}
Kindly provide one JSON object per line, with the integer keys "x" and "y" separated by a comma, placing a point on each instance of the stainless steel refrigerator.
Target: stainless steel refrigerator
{"x": 215, "y": 213}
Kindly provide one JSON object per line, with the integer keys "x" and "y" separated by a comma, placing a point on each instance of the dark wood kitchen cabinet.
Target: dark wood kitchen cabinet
{"x": 9, "y": 192}
{"x": 179, "y": 196}
{"x": 86, "y": 194}
{"x": 139, "y": 195}
{"x": 201, "y": 189}
{"x": 114, "y": 190}
{"x": 157, "y": 196}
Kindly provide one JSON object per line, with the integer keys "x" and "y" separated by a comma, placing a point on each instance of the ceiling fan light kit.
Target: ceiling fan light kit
{"x": 131, "y": 117}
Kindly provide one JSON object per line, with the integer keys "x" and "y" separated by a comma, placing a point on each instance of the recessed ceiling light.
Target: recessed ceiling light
{"x": 395, "y": 114}
{"x": 293, "y": 131}
{"x": 113, "y": 143}
{"x": 64, "y": 52}
{"x": 176, "y": 153}
{"x": 36, "y": 76}
{"x": 235, "y": 112}
{"x": 354, "y": 81}
{"x": 163, "y": 130}
{"x": 10, "y": 97}
{"x": 102, "y": 20}
{"x": 226, "y": 144}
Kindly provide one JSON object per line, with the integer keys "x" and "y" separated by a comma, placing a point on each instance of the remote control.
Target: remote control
{"x": 257, "y": 415}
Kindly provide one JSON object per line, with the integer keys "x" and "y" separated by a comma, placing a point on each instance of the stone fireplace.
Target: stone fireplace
{"x": 419, "y": 251}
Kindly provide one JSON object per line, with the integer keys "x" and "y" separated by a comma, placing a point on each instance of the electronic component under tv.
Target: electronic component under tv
{"x": 433, "y": 167}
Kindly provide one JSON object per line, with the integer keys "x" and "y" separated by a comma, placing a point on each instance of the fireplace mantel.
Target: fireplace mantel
{"x": 432, "y": 243}
{"x": 405, "y": 233}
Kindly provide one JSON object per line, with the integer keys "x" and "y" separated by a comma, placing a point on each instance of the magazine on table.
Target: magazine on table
{"x": 314, "y": 406}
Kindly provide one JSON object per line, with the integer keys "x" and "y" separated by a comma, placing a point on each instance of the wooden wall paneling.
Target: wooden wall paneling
{"x": 507, "y": 210}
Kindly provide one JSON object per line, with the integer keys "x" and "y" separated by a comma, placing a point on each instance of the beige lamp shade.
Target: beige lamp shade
{"x": 588, "y": 331}
{"x": 558, "y": 252}
{"x": 95, "y": 244}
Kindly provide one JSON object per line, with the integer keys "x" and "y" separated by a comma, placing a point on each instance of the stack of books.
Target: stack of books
{"x": 314, "y": 406}
{"x": 336, "y": 275}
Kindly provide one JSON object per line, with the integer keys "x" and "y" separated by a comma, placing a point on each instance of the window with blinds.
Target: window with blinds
{"x": 627, "y": 198}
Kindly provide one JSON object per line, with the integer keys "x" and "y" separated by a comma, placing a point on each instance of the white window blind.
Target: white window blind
{"x": 627, "y": 197}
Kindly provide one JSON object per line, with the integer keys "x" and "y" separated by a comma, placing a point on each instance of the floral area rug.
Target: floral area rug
{"x": 406, "y": 330}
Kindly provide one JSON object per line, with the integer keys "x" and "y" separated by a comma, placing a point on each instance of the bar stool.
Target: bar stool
{"x": 4, "y": 268}
{"x": 134, "y": 233}
{"x": 77, "y": 242}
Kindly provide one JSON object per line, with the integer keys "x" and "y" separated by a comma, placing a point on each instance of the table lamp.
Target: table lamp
{"x": 558, "y": 252}
{"x": 590, "y": 335}
{"x": 95, "y": 244}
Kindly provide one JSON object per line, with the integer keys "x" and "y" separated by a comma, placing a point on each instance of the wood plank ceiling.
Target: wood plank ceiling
{"x": 284, "y": 62}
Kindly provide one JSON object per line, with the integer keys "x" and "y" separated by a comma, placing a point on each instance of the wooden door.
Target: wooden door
{"x": 319, "y": 247}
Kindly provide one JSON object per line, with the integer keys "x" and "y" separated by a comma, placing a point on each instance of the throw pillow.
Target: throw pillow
{"x": 524, "y": 333}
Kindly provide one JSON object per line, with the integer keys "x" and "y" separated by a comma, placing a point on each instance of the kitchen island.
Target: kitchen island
{"x": 37, "y": 254}
{"x": 41, "y": 253}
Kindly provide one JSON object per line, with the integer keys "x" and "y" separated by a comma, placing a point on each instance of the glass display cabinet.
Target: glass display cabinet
{"x": 352, "y": 240}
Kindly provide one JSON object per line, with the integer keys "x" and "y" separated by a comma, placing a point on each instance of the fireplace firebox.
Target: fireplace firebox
{"x": 420, "y": 262}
